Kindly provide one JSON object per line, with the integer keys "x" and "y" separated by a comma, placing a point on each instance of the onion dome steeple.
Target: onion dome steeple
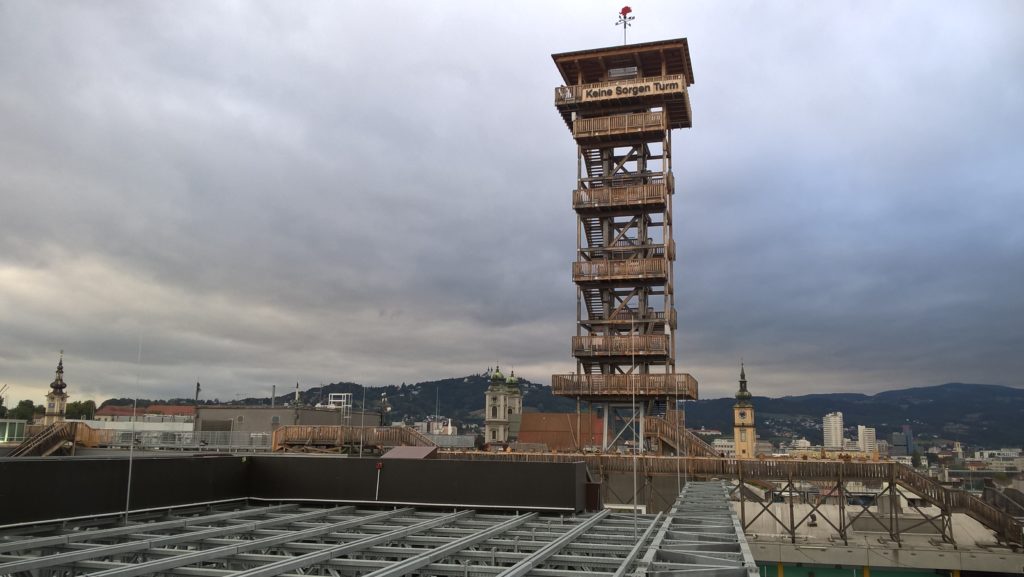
{"x": 743, "y": 396}
{"x": 58, "y": 385}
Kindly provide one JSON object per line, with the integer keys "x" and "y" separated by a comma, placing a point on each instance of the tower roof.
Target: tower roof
{"x": 512, "y": 384}
{"x": 650, "y": 59}
{"x": 58, "y": 385}
{"x": 743, "y": 396}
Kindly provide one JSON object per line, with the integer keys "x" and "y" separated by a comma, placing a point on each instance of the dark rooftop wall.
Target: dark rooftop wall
{"x": 32, "y": 489}
{"x": 39, "y": 489}
{"x": 479, "y": 484}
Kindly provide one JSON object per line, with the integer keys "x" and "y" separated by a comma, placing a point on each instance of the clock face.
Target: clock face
{"x": 743, "y": 414}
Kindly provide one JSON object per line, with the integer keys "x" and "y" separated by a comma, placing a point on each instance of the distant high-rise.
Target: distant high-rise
{"x": 903, "y": 442}
{"x": 832, "y": 427}
{"x": 866, "y": 439}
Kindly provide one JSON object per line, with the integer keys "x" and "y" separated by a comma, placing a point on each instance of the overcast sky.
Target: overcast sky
{"x": 380, "y": 192}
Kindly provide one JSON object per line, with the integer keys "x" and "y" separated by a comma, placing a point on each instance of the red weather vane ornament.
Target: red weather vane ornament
{"x": 625, "y": 20}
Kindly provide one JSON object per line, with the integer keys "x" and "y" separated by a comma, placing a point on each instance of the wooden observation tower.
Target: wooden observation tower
{"x": 621, "y": 105}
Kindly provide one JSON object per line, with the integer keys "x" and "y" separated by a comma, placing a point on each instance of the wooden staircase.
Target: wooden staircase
{"x": 670, "y": 430}
{"x": 46, "y": 442}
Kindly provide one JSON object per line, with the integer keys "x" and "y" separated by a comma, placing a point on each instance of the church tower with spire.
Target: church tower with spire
{"x": 744, "y": 434}
{"x": 56, "y": 399}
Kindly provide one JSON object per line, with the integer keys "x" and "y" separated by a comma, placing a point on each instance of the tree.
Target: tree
{"x": 81, "y": 410}
{"x": 24, "y": 411}
{"x": 915, "y": 459}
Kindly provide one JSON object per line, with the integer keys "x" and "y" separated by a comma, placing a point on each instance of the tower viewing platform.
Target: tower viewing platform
{"x": 631, "y": 78}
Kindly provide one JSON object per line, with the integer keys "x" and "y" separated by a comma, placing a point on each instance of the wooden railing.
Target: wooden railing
{"x": 957, "y": 501}
{"x": 598, "y": 270}
{"x": 573, "y": 94}
{"x": 620, "y": 346}
{"x": 298, "y": 436}
{"x": 626, "y": 316}
{"x": 86, "y": 436}
{"x": 629, "y": 251}
{"x": 619, "y": 124}
{"x": 606, "y": 197}
{"x": 662, "y": 385}
{"x": 954, "y": 501}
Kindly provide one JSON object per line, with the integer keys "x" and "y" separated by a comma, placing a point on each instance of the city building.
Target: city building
{"x": 724, "y": 447}
{"x": 263, "y": 419}
{"x": 436, "y": 425}
{"x": 503, "y": 406}
{"x": 866, "y": 439}
{"x": 56, "y": 399}
{"x": 151, "y": 413}
{"x": 562, "y": 431}
{"x": 883, "y": 447}
{"x": 800, "y": 444}
{"x": 832, "y": 430}
{"x": 903, "y": 442}
{"x": 744, "y": 434}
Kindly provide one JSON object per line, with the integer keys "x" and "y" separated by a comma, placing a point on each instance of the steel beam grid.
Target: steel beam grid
{"x": 342, "y": 541}
{"x": 893, "y": 523}
{"x": 700, "y": 536}
{"x": 234, "y": 539}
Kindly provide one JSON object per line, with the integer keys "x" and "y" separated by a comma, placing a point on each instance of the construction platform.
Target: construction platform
{"x": 259, "y": 537}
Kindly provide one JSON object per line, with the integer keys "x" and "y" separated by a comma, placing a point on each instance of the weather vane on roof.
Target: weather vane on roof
{"x": 625, "y": 20}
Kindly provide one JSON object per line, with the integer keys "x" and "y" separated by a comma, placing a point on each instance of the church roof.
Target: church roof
{"x": 743, "y": 396}
{"x": 58, "y": 385}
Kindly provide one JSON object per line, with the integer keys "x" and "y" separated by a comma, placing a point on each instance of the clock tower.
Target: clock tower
{"x": 56, "y": 399}
{"x": 744, "y": 434}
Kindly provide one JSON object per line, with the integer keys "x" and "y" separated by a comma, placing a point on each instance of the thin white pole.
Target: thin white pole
{"x": 362, "y": 423}
{"x": 681, "y": 438}
{"x": 131, "y": 444}
{"x": 636, "y": 442}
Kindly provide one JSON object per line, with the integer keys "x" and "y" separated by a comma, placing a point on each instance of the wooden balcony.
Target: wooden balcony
{"x": 645, "y": 126}
{"x": 651, "y": 196}
{"x": 622, "y": 387}
{"x": 624, "y": 346}
{"x": 649, "y": 270}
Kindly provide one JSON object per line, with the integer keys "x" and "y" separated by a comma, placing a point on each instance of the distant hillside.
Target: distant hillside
{"x": 979, "y": 415}
{"x": 461, "y": 398}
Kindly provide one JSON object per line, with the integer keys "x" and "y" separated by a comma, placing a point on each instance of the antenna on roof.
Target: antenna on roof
{"x": 625, "y": 20}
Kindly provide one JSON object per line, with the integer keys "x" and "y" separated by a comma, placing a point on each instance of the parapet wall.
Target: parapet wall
{"x": 40, "y": 489}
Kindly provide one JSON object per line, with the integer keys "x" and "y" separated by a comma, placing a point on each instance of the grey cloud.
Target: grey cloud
{"x": 268, "y": 193}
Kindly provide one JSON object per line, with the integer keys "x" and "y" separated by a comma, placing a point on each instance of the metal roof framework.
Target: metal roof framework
{"x": 699, "y": 536}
